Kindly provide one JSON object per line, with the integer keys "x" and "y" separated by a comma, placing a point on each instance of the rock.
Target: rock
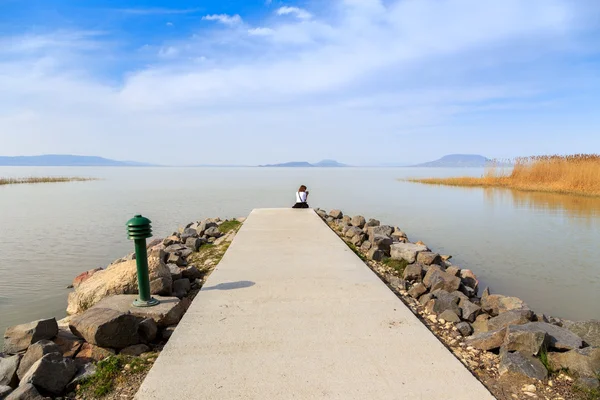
{"x": 559, "y": 338}
{"x": 468, "y": 278}
{"x": 375, "y": 254}
{"x": 84, "y": 276}
{"x": 352, "y": 231}
{"x": 525, "y": 340}
{"x": 365, "y": 247}
{"x": 481, "y": 323}
{"x": 8, "y": 370}
{"x": 51, "y": 373}
{"x": 358, "y": 221}
{"x": 175, "y": 271}
{"x": 345, "y": 229}
{"x": 413, "y": 273}
{"x": 453, "y": 270}
{"x": 437, "y": 279}
{"x": 68, "y": 344}
{"x": 487, "y": 340}
{"x": 428, "y": 258}
{"x": 83, "y": 372}
{"x": 119, "y": 279}
{"x": 193, "y": 243}
{"x": 588, "y": 330}
{"x": 587, "y": 383}
{"x": 19, "y": 337}
{"x": 469, "y": 311}
{"x": 107, "y": 328}
{"x": 467, "y": 291}
{"x": 522, "y": 364}
{"x": 148, "y": 330}
{"x": 449, "y": 316}
{"x": 168, "y": 332}
{"x": 25, "y": 392}
{"x": 191, "y": 273}
{"x": 213, "y": 232}
{"x": 329, "y": 220}
{"x": 372, "y": 222}
{"x": 168, "y": 312}
{"x": 464, "y": 328}
{"x": 426, "y": 298}
{"x": 5, "y": 391}
{"x": 515, "y": 317}
{"x": 320, "y": 213}
{"x": 171, "y": 240}
{"x": 496, "y": 304}
{"x": 35, "y": 352}
{"x": 445, "y": 301}
{"x": 585, "y": 362}
{"x": 381, "y": 242}
{"x": 346, "y": 219}
{"x": 176, "y": 259}
{"x": 397, "y": 283}
{"x": 358, "y": 239}
{"x": 90, "y": 352}
{"x": 336, "y": 214}
{"x": 417, "y": 290}
{"x": 181, "y": 287}
{"x": 135, "y": 350}
{"x": 176, "y": 248}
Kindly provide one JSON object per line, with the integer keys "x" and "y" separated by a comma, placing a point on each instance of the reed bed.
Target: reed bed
{"x": 572, "y": 174}
{"x": 46, "y": 179}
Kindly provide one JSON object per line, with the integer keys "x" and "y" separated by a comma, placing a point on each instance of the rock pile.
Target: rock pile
{"x": 50, "y": 358}
{"x": 505, "y": 327}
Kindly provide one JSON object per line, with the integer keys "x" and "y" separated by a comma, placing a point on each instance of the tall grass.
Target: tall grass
{"x": 573, "y": 174}
{"x": 47, "y": 179}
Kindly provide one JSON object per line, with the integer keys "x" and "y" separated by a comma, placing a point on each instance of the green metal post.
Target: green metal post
{"x": 139, "y": 229}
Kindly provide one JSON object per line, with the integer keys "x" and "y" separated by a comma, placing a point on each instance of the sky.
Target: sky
{"x": 365, "y": 82}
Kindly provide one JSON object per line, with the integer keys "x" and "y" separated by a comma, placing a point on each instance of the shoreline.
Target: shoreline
{"x": 33, "y": 180}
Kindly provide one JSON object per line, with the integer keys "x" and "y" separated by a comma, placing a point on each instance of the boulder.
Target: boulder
{"x": 320, "y": 213}
{"x": 34, "y": 353}
{"x": 396, "y": 282}
{"x": 481, "y": 323}
{"x": 445, "y": 301}
{"x": 19, "y": 337}
{"x": 68, "y": 344}
{"x": 358, "y": 221}
{"x": 194, "y": 243}
{"x": 135, "y": 350}
{"x": 406, "y": 251}
{"x": 191, "y": 273}
{"x": 8, "y": 370}
{"x": 496, "y": 304}
{"x": 413, "y": 273}
{"x": 213, "y": 232}
{"x": 381, "y": 242}
{"x": 181, "y": 287}
{"x": 84, "y": 276}
{"x": 469, "y": 311}
{"x": 438, "y": 279}
{"x": 171, "y": 240}
{"x": 26, "y": 392}
{"x": 167, "y": 332}
{"x": 372, "y": 222}
{"x": 344, "y": 229}
{"x": 346, "y": 219}
{"x": 417, "y": 291}
{"x": 525, "y": 340}
{"x": 358, "y": 240}
{"x": 428, "y": 258}
{"x": 453, "y": 270}
{"x": 464, "y": 328}
{"x": 336, "y": 214}
{"x": 176, "y": 259}
{"x": 585, "y": 362}
{"x": 375, "y": 254}
{"x": 487, "y": 340}
{"x": 588, "y": 330}
{"x": 51, "y": 373}
{"x": 468, "y": 278}
{"x": 384, "y": 230}
{"x": 515, "y": 317}
{"x": 352, "y": 231}
{"x": 587, "y": 383}
{"x": 107, "y": 328}
{"x": 83, "y": 372}
{"x": 118, "y": 279}
{"x": 559, "y": 338}
{"x": 90, "y": 353}
{"x": 467, "y": 291}
{"x": 365, "y": 247}
{"x": 522, "y": 364}
{"x": 449, "y": 316}
{"x": 175, "y": 271}
{"x": 148, "y": 330}
{"x": 5, "y": 391}
{"x": 425, "y": 299}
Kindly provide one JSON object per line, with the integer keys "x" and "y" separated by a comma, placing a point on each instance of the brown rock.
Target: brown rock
{"x": 84, "y": 276}
{"x": 413, "y": 273}
{"x": 358, "y": 221}
{"x": 428, "y": 258}
{"x": 336, "y": 214}
{"x": 435, "y": 279}
{"x": 514, "y": 317}
{"x": 375, "y": 254}
{"x": 68, "y": 344}
{"x": 34, "y": 353}
{"x": 90, "y": 352}
{"x": 526, "y": 341}
{"x": 8, "y": 370}
{"x": 453, "y": 270}
{"x": 487, "y": 340}
{"x": 19, "y": 337}
{"x": 107, "y": 328}
{"x": 135, "y": 350}
{"x": 26, "y": 392}
{"x": 417, "y": 290}
{"x": 468, "y": 278}
{"x": 449, "y": 316}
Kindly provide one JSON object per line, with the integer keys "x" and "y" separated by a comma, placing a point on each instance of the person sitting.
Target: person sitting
{"x": 301, "y": 197}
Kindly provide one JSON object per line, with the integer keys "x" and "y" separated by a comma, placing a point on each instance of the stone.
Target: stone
{"x": 119, "y": 279}
{"x": 345, "y": 229}
{"x": 384, "y": 230}
{"x": 190, "y": 232}
{"x": 426, "y": 298}
{"x": 320, "y": 213}
{"x": 365, "y": 247}
{"x": 68, "y": 344}
{"x": 194, "y": 243}
{"x": 522, "y": 364}
{"x": 464, "y": 328}
{"x": 35, "y": 352}
{"x": 181, "y": 287}
{"x": 585, "y": 362}
{"x": 352, "y": 231}
{"x": 90, "y": 352}
{"x": 51, "y": 373}
{"x": 559, "y": 338}
{"x": 413, "y": 273}
{"x": 84, "y": 276}
{"x": 135, "y": 350}
{"x": 19, "y": 337}
{"x": 148, "y": 329}
{"x": 191, "y": 273}
{"x": 381, "y": 242}
{"x": 481, "y": 323}
{"x": 417, "y": 290}
{"x": 175, "y": 248}
{"x": 176, "y": 259}
{"x": 515, "y": 317}
{"x": 467, "y": 291}
{"x": 168, "y": 332}
{"x": 487, "y": 340}
{"x": 453, "y": 270}
{"x": 469, "y": 310}
{"x": 446, "y": 301}
{"x": 336, "y": 214}
{"x": 346, "y": 219}
{"x": 8, "y": 370}
{"x": 588, "y": 330}
{"x": 25, "y": 392}
{"x": 5, "y": 391}
{"x": 437, "y": 279}
{"x": 524, "y": 340}
{"x": 358, "y": 221}
{"x": 171, "y": 240}
{"x": 468, "y": 278}
{"x": 587, "y": 383}
{"x": 428, "y": 258}
{"x": 449, "y": 316}
{"x": 175, "y": 271}
{"x": 330, "y": 220}
{"x": 213, "y": 232}
{"x": 397, "y": 283}
{"x": 496, "y": 304}
{"x": 107, "y": 328}
{"x": 83, "y": 372}
{"x": 169, "y": 311}
{"x": 372, "y": 222}
{"x": 357, "y": 240}
{"x": 375, "y": 254}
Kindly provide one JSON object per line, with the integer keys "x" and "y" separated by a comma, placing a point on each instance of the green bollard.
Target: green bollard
{"x": 139, "y": 229}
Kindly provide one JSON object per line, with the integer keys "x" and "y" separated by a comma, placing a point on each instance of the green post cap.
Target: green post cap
{"x": 139, "y": 227}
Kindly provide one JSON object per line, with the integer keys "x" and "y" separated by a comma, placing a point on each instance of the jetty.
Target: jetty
{"x": 291, "y": 312}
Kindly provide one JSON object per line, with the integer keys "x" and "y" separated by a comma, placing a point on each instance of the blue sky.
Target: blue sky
{"x": 251, "y": 82}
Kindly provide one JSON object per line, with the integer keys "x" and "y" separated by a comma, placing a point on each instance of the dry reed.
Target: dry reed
{"x": 573, "y": 174}
{"x": 48, "y": 179}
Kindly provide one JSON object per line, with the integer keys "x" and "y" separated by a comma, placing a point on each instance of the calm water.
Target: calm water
{"x": 540, "y": 247}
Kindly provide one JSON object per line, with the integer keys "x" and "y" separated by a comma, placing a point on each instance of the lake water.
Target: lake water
{"x": 542, "y": 248}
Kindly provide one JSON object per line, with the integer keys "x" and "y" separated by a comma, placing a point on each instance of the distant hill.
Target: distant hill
{"x": 457, "y": 161}
{"x": 305, "y": 164}
{"x": 65, "y": 160}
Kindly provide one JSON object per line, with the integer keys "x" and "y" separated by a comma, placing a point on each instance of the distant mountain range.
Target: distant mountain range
{"x": 305, "y": 164}
{"x": 457, "y": 161}
{"x": 63, "y": 160}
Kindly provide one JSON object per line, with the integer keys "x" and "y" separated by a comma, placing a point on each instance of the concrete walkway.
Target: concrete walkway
{"x": 292, "y": 313}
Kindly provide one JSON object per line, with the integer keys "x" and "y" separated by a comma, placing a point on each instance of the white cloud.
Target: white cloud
{"x": 260, "y": 31}
{"x": 169, "y": 24}
{"x": 299, "y": 12}
{"x": 224, "y": 18}
{"x": 168, "y": 52}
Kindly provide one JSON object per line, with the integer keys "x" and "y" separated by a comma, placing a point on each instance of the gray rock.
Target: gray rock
{"x": 5, "y": 391}
{"x": 381, "y": 242}
{"x": 365, "y": 247}
{"x": 445, "y": 301}
{"x": 496, "y": 304}
{"x": 525, "y": 340}
{"x": 358, "y": 240}
{"x": 8, "y": 370}
{"x": 19, "y": 337}
{"x": 35, "y": 352}
{"x": 587, "y": 383}
{"x": 559, "y": 338}
{"x": 384, "y": 230}
{"x": 205, "y": 225}
{"x": 426, "y": 298}
{"x": 487, "y": 340}
{"x": 428, "y": 258}
{"x": 522, "y": 364}
{"x": 191, "y": 273}
{"x": 346, "y": 219}
{"x": 345, "y": 229}
{"x": 585, "y": 362}
{"x": 413, "y": 273}
{"x": 190, "y": 231}
{"x": 467, "y": 291}
{"x": 469, "y": 310}
{"x": 176, "y": 259}
{"x": 181, "y": 287}
{"x": 588, "y": 330}
{"x": 437, "y": 279}
{"x": 417, "y": 291}
{"x": 25, "y": 392}
{"x": 464, "y": 328}
{"x": 104, "y": 327}
{"x": 449, "y": 316}
{"x": 330, "y": 219}
{"x": 469, "y": 279}
{"x": 375, "y": 254}
{"x": 83, "y": 372}
{"x": 336, "y": 214}
{"x": 148, "y": 330}
{"x": 352, "y": 231}
{"x": 51, "y": 373}
{"x": 515, "y": 317}
{"x": 397, "y": 283}
{"x": 358, "y": 221}
{"x": 406, "y": 251}
{"x": 135, "y": 350}
{"x": 175, "y": 271}
{"x": 175, "y": 248}
{"x": 213, "y": 232}
{"x": 193, "y": 243}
